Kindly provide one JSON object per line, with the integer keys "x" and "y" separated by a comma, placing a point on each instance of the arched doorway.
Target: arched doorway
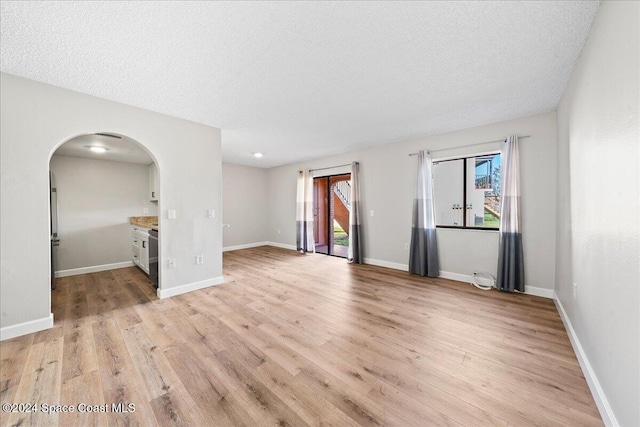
{"x": 99, "y": 182}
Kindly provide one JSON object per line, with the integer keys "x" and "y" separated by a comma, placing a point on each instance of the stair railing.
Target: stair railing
{"x": 342, "y": 189}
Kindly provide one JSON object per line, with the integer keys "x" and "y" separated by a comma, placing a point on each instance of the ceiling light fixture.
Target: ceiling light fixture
{"x": 96, "y": 149}
{"x": 257, "y": 155}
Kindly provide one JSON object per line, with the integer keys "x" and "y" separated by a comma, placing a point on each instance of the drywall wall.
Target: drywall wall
{"x": 388, "y": 177}
{"x": 35, "y": 119}
{"x": 598, "y": 204}
{"x": 245, "y": 201}
{"x": 95, "y": 200}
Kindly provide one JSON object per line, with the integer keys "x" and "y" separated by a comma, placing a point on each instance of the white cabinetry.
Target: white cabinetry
{"x": 153, "y": 182}
{"x": 140, "y": 247}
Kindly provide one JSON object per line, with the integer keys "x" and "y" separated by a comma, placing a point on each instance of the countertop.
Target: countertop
{"x": 145, "y": 221}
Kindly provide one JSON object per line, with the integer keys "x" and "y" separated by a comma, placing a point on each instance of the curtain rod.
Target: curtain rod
{"x": 470, "y": 145}
{"x": 330, "y": 167}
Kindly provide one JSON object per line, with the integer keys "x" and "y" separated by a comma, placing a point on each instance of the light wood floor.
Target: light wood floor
{"x": 298, "y": 340}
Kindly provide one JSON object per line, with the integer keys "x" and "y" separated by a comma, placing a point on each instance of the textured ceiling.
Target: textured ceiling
{"x": 297, "y": 80}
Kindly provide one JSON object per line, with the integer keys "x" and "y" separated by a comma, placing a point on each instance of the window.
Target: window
{"x": 467, "y": 192}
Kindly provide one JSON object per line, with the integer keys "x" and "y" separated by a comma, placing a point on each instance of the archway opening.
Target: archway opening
{"x": 104, "y": 206}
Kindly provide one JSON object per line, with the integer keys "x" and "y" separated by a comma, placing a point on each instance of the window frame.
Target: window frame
{"x": 464, "y": 190}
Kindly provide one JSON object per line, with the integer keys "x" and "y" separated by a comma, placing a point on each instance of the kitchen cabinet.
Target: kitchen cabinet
{"x": 140, "y": 247}
{"x": 153, "y": 182}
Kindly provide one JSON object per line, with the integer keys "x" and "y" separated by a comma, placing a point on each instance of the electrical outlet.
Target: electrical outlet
{"x": 575, "y": 291}
{"x": 211, "y": 213}
{"x": 199, "y": 260}
{"x": 406, "y": 246}
{"x": 171, "y": 214}
{"x": 145, "y": 210}
{"x": 371, "y": 212}
{"x": 172, "y": 263}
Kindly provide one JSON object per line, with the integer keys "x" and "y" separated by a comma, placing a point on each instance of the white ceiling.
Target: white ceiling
{"x": 297, "y": 80}
{"x": 120, "y": 149}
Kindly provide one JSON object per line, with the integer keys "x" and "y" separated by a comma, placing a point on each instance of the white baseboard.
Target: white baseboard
{"x": 282, "y": 245}
{"x": 247, "y": 246}
{"x": 177, "y": 290}
{"x": 606, "y": 412}
{"x": 456, "y": 276}
{"x": 93, "y": 269}
{"x": 387, "y": 264}
{"x": 464, "y": 278}
{"x": 529, "y": 290}
{"x": 539, "y": 292}
{"x": 25, "y": 328}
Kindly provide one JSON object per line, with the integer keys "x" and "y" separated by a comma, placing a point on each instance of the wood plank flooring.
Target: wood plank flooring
{"x": 297, "y": 340}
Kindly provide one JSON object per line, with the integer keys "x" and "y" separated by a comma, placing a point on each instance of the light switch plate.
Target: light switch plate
{"x": 171, "y": 214}
{"x": 211, "y": 213}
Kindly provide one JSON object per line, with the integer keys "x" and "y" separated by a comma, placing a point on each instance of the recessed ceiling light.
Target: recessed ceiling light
{"x": 96, "y": 149}
{"x": 257, "y": 154}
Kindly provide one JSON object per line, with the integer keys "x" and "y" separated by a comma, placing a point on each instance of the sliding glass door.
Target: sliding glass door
{"x": 331, "y": 206}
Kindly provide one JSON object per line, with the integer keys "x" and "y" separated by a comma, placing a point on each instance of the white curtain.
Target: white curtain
{"x": 510, "y": 256}
{"x": 304, "y": 213}
{"x": 423, "y": 256}
{"x": 354, "y": 254}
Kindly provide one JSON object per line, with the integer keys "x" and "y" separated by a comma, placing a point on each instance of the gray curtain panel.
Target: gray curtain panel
{"x": 423, "y": 257}
{"x": 304, "y": 213}
{"x": 354, "y": 255}
{"x": 510, "y": 255}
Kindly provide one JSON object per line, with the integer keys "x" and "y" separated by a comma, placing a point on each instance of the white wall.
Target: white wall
{"x": 245, "y": 202}
{"x": 95, "y": 200}
{"x": 35, "y": 119}
{"x": 388, "y": 177}
{"x": 598, "y": 204}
